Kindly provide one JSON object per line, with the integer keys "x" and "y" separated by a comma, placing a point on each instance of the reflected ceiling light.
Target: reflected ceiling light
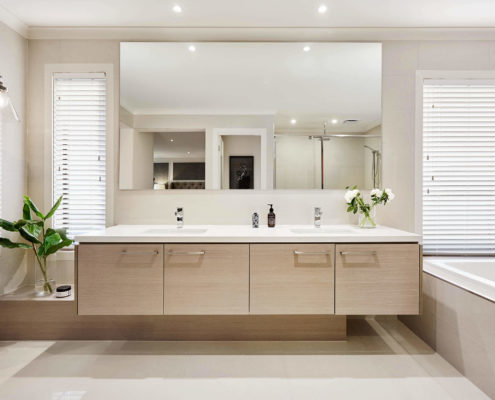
{"x": 177, "y": 9}
{"x": 5, "y": 100}
{"x": 334, "y": 121}
{"x": 188, "y": 152}
{"x": 171, "y": 140}
{"x": 293, "y": 121}
{"x": 322, "y": 9}
{"x": 192, "y": 48}
{"x": 306, "y": 48}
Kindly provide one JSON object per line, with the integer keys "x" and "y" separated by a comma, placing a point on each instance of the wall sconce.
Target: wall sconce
{"x": 5, "y": 100}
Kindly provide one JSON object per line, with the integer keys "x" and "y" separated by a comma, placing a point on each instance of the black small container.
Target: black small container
{"x": 63, "y": 291}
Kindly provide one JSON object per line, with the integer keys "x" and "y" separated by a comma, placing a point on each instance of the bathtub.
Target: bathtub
{"x": 474, "y": 274}
{"x": 458, "y": 315}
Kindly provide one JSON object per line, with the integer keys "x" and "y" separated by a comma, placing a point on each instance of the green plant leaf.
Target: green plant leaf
{"x": 61, "y": 231}
{"x": 30, "y": 237}
{"x": 54, "y": 208}
{"x": 33, "y": 207}
{"x": 12, "y": 245}
{"x": 34, "y": 228}
{"x": 26, "y": 212}
{"x": 23, "y": 222}
{"x": 7, "y": 225}
{"x": 50, "y": 241}
{"x": 57, "y": 247}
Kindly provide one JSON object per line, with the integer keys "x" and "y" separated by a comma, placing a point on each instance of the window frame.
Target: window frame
{"x": 79, "y": 70}
{"x": 433, "y": 75}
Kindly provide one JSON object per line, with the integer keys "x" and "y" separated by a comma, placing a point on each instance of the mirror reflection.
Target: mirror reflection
{"x": 250, "y": 116}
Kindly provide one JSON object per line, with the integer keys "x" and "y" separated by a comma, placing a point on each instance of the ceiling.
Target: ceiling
{"x": 178, "y": 145}
{"x": 254, "y": 13}
{"x": 330, "y": 81}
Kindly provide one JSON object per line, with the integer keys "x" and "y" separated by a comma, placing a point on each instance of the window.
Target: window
{"x": 79, "y": 156}
{"x": 459, "y": 167}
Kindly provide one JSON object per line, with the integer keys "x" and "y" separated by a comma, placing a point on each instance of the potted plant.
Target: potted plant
{"x": 367, "y": 212}
{"x": 43, "y": 241}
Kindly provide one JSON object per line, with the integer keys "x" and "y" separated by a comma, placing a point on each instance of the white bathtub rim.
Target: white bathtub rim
{"x": 439, "y": 267}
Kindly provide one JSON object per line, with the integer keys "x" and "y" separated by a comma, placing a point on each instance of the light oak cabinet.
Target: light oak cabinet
{"x": 120, "y": 279}
{"x": 292, "y": 279}
{"x": 377, "y": 279}
{"x": 238, "y": 279}
{"x": 206, "y": 279}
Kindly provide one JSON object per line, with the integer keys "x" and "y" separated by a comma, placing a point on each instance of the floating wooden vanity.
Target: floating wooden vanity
{"x": 272, "y": 273}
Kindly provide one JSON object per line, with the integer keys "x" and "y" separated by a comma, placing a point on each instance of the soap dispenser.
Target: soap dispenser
{"x": 271, "y": 217}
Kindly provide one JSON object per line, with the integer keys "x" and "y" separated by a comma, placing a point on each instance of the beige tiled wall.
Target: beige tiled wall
{"x": 460, "y": 326}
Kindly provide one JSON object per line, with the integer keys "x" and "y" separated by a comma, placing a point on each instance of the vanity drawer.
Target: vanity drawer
{"x": 377, "y": 279}
{"x": 206, "y": 279}
{"x": 292, "y": 279}
{"x": 120, "y": 279}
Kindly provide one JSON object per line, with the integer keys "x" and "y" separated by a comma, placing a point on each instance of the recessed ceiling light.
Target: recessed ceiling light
{"x": 177, "y": 9}
{"x": 306, "y": 48}
{"x": 334, "y": 121}
{"x": 192, "y": 48}
{"x": 322, "y": 9}
{"x": 171, "y": 140}
{"x": 293, "y": 121}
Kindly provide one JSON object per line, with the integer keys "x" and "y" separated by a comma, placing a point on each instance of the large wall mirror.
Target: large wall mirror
{"x": 250, "y": 115}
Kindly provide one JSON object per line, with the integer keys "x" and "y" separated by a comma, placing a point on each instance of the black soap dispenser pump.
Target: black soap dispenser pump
{"x": 271, "y": 217}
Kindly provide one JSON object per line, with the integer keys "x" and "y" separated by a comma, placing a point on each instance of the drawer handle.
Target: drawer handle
{"x": 187, "y": 253}
{"x": 358, "y": 253}
{"x": 126, "y": 253}
{"x": 299, "y": 253}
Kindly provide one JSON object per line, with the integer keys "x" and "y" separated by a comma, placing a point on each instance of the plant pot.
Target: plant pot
{"x": 367, "y": 220}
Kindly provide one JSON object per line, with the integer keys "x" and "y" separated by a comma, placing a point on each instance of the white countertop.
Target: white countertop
{"x": 246, "y": 234}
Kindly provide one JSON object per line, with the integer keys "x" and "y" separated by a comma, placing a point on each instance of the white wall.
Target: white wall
{"x": 14, "y": 269}
{"x": 126, "y": 170}
{"x": 142, "y": 160}
{"x": 400, "y": 61}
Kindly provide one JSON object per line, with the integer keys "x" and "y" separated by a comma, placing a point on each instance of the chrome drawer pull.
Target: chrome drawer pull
{"x": 154, "y": 252}
{"x": 298, "y": 253}
{"x": 358, "y": 253}
{"x": 187, "y": 253}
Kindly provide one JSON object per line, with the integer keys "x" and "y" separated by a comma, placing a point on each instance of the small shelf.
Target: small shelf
{"x": 27, "y": 293}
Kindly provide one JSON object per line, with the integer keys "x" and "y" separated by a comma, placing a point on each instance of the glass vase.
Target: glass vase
{"x": 367, "y": 220}
{"x": 44, "y": 282}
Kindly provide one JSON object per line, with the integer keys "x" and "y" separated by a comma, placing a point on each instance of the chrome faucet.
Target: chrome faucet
{"x": 180, "y": 217}
{"x": 317, "y": 217}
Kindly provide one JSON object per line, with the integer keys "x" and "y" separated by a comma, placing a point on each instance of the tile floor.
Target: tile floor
{"x": 381, "y": 359}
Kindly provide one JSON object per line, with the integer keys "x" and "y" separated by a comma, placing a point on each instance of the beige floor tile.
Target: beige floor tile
{"x": 382, "y": 359}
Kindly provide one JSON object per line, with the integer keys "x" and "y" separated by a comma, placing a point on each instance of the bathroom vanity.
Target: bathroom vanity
{"x": 241, "y": 271}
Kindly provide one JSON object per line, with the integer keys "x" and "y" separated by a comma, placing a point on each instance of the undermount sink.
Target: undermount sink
{"x": 176, "y": 231}
{"x": 310, "y": 231}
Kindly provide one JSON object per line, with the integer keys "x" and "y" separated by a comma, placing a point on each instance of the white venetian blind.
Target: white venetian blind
{"x": 79, "y": 156}
{"x": 459, "y": 167}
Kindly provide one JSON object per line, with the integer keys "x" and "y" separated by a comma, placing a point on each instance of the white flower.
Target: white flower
{"x": 390, "y": 194}
{"x": 350, "y": 195}
{"x": 376, "y": 192}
